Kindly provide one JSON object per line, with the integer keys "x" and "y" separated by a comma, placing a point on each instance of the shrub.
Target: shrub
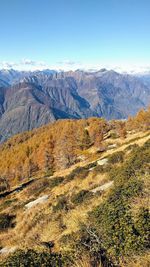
{"x": 143, "y": 227}
{"x": 3, "y": 188}
{"x": 55, "y": 181}
{"x": 38, "y": 186}
{"x": 6, "y": 221}
{"x": 114, "y": 172}
{"x": 121, "y": 233}
{"x": 113, "y": 219}
{"x": 91, "y": 165}
{"x": 86, "y": 242}
{"x": 132, "y": 147}
{"x": 81, "y": 196}
{"x": 116, "y": 157}
{"x": 48, "y": 173}
{"x": 7, "y": 203}
{"x": 80, "y": 172}
{"x": 147, "y": 144}
{"x": 32, "y": 258}
{"x": 112, "y": 230}
{"x": 102, "y": 169}
{"x": 131, "y": 188}
{"x": 113, "y": 135}
{"x": 62, "y": 204}
{"x": 139, "y": 158}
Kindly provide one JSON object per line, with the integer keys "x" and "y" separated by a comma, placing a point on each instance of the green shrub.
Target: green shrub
{"x": 137, "y": 163}
{"x": 113, "y": 135}
{"x": 32, "y": 258}
{"x": 132, "y": 147}
{"x": 147, "y": 144}
{"x": 91, "y": 165}
{"x": 48, "y": 173}
{"x": 37, "y": 186}
{"x": 55, "y": 181}
{"x": 113, "y": 219}
{"x": 132, "y": 188}
{"x": 6, "y": 221}
{"x": 7, "y": 203}
{"x": 115, "y": 224}
{"x": 86, "y": 242}
{"x": 62, "y": 204}
{"x": 80, "y": 172}
{"x": 102, "y": 169}
{"x": 81, "y": 196}
{"x": 113, "y": 232}
{"x": 143, "y": 227}
{"x": 116, "y": 157}
{"x": 114, "y": 172}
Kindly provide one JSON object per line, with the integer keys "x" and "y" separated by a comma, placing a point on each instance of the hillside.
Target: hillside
{"x": 29, "y": 100}
{"x": 76, "y": 193}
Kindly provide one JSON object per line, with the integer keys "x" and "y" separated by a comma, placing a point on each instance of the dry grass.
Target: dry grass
{"x": 136, "y": 138}
{"x": 139, "y": 261}
{"x": 42, "y": 224}
{"x": 84, "y": 262}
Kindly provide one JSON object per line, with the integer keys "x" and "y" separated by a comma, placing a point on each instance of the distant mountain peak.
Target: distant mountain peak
{"x": 35, "y": 98}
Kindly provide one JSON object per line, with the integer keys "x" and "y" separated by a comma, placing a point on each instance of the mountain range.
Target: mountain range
{"x": 31, "y": 99}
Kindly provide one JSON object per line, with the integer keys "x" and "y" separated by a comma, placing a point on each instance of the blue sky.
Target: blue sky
{"x": 73, "y": 34}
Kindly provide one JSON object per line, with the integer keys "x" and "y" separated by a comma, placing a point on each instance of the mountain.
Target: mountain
{"x": 145, "y": 78}
{"x": 113, "y": 95}
{"x": 31, "y": 99}
{"x": 76, "y": 193}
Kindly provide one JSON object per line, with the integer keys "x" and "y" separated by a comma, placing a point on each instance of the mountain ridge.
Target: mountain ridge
{"x": 31, "y": 99}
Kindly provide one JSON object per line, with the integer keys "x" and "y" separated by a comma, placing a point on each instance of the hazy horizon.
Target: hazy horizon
{"x": 73, "y": 34}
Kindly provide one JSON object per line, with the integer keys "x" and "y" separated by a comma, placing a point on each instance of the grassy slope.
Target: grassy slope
{"x": 41, "y": 223}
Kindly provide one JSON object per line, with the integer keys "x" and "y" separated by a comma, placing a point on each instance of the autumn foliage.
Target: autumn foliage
{"x": 59, "y": 145}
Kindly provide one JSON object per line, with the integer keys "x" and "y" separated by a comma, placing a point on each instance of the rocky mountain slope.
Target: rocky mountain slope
{"x": 31, "y": 99}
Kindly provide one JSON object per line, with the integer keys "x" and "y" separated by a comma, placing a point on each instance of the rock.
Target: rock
{"x": 101, "y": 162}
{"x": 102, "y": 187}
{"x": 7, "y": 250}
{"x": 92, "y": 168}
{"x": 112, "y": 146}
{"x": 39, "y": 200}
{"x": 81, "y": 157}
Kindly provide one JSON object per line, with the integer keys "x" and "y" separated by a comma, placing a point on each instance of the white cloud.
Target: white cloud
{"x": 8, "y": 65}
{"x": 66, "y": 65}
{"x": 26, "y": 61}
{"x": 120, "y": 67}
{"x": 24, "y": 64}
{"x": 30, "y": 62}
{"x": 69, "y": 62}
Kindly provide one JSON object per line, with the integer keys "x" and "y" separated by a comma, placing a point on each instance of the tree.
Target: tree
{"x": 86, "y": 140}
{"x": 30, "y": 167}
{"x": 97, "y": 130}
{"x": 122, "y": 130}
{"x": 66, "y": 146}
